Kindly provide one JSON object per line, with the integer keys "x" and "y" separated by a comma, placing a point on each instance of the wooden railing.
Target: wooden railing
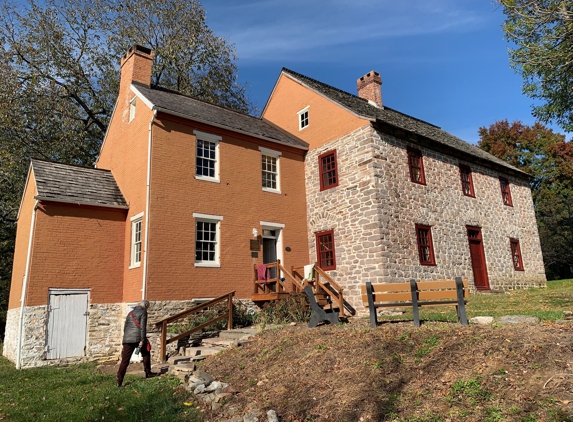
{"x": 271, "y": 284}
{"x": 228, "y": 314}
{"x": 322, "y": 284}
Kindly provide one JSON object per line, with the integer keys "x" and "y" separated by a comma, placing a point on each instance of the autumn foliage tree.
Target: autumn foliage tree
{"x": 548, "y": 157}
{"x": 59, "y": 73}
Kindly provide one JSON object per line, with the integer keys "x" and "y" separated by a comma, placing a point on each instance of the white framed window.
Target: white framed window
{"x": 270, "y": 170}
{"x": 207, "y": 156}
{"x": 136, "y": 229}
{"x": 207, "y": 240}
{"x": 303, "y": 118}
{"x": 132, "y": 106}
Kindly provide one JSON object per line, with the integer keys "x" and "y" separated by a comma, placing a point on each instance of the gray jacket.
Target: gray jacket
{"x": 131, "y": 332}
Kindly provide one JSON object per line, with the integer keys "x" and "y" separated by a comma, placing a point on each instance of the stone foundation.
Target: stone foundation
{"x": 105, "y": 332}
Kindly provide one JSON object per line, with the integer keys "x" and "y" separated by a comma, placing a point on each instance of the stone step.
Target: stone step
{"x": 218, "y": 341}
{"x": 203, "y": 351}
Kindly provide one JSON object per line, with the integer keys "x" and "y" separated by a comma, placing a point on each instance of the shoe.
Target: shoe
{"x": 119, "y": 384}
{"x": 151, "y": 374}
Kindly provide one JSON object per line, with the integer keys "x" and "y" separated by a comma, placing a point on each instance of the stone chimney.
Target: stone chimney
{"x": 136, "y": 65}
{"x": 370, "y": 88}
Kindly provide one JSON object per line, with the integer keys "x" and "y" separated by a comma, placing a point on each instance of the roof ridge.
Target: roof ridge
{"x": 172, "y": 91}
{"x": 356, "y": 96}
{"x": 69, "y": 165}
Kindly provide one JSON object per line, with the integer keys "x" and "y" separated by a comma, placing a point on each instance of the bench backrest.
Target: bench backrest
{"x": 426, "y": 290}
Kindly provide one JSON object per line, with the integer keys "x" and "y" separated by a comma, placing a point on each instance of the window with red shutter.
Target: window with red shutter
{"x": 516, "y": 255}
{"x": 505, "y": 191}
{"x": 467, "y": 182}
{"x": 328, "y": 170}
{"x": 416, "y": 164}
{"x": 425, "y": 246}
{"x": 325, "y": 250}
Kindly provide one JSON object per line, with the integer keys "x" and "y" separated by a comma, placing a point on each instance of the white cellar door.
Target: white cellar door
{"x": 67, "y": 324}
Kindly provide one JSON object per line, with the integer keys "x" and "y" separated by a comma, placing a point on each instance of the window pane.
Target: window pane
{"x": 205, "y": 241}
{"x": 206, "y": 158}
{"x": 269, "y": 171}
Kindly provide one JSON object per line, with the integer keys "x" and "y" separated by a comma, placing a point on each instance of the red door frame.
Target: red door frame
{"x": 481, "y": 280}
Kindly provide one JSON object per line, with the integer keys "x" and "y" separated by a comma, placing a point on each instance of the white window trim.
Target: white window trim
{"x": 136, "y": 218}
{"x": 267, "y": 225}
{"x": 299, "y": 113}
{"x": 211, "y": 219}
{"x": 275, "y": 154}
{"x": 209, "y": 137}
{"x": 132, "y": 108}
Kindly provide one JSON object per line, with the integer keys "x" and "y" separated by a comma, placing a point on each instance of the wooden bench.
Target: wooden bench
{"x": 415, "y": 294}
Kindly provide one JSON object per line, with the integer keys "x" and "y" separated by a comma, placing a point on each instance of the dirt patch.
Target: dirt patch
{"x": 396, "y": 372}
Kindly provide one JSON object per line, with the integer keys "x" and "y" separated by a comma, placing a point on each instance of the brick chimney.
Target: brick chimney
{"x": 369, "y": 87}
{"x": 136, "y": 65}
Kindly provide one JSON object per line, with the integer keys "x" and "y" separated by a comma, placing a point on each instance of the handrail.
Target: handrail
{"x": 335, "y": 293}
{"x": 228, "y": 314}
{"x": 295, "y": 285}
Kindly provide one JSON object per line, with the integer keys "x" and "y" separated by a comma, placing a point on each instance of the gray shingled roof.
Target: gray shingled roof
{"x": 361, "y": 107}
{"x": 73, "y": 184}
{"x": 173, "y": 102}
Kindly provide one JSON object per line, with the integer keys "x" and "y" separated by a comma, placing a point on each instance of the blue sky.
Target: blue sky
{"x": 443, "y": 61}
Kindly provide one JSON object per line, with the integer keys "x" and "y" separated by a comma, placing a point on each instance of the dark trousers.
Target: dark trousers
{"x": 127, "y": 351}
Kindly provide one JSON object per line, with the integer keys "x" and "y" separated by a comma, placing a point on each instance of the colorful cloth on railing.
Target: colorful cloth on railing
{"x": 262, "y": 272}
{"x": 309, "y": 272}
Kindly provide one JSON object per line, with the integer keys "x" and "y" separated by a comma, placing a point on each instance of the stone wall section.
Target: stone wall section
{"x": 351, "y": 209}
{"x": 442, "y": 205}
{"x": 374, "y": 209}
{"x": 9, "y": 349}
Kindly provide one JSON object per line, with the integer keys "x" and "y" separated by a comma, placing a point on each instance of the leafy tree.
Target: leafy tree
{"x": 542, "y": 31}
{"x": 548, "y": 157}
{"x": 59, "y": 67}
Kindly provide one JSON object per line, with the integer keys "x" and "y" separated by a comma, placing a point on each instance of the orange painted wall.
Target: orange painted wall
{"x": 77, "y": 247}
{"x": 125, "y": 153}
{"x": 22, "y": 240}
{"x": 327, "y": 121}
{"x": 239, "y": 198}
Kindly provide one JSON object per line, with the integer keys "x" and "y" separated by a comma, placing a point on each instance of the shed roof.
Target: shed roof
{"x": 387, "y": 115}
{"x": 175, "y": 103}
{"x": 78, "y": 185}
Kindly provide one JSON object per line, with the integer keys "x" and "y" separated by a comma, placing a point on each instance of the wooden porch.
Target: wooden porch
{"x": 327, "y": 292}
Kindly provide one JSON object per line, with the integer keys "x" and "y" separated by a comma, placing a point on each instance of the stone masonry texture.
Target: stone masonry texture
{"x": 374, "y": 209}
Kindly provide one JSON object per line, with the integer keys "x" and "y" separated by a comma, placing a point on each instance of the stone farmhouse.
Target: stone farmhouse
{"x": 184, "y": 191}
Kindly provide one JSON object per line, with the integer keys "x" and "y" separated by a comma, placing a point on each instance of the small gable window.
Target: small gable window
{"x": 328, "y": 169}
{"x": 270, "y": 170}
{"x": 132, "y": 105}
{"x": 303, "y": 118}
{"x": 467, "y": 182}
{"x": 416, "y": 165}
{"x": 325, "y": 250}
{"x": 425, "y": 246}
{"x": 516, "y": 255}
{"x": 207, "y": 156}
{"x": 505, "y": 191}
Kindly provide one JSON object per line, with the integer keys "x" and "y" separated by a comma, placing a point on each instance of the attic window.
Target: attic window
{"x": 132, "y": 109}
{"x": 303, "y": 118}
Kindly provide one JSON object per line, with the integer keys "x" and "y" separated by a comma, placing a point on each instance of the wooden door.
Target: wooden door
{"x": 67, "y": 323}
{"x": 478, "y": 258}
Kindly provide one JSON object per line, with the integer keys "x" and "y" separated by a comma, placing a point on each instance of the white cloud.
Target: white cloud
{"x": 275, "y": 30}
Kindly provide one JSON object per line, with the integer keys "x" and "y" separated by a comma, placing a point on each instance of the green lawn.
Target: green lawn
{"x": 80, "y": 393}
{"x": 547, "y": 304}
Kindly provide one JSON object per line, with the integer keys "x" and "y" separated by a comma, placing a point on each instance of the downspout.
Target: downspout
{"x": 25, "y": 286}
{"x": 147, "y": 195}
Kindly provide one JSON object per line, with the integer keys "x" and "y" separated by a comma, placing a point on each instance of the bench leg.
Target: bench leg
{"x": 415, "y": 308}
{"x": 373, "y": 316}
{"x": 461, "y": 307}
